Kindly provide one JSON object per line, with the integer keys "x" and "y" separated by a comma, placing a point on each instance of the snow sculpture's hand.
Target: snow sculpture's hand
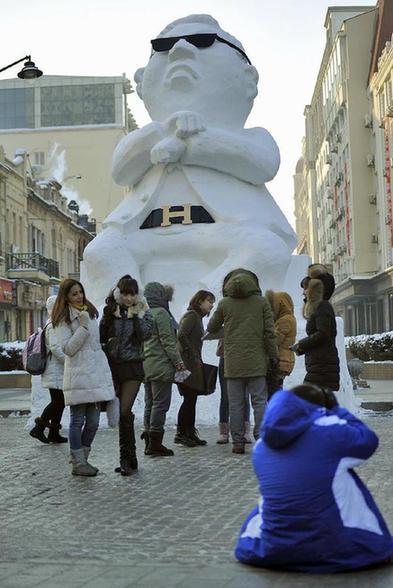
{"x": 184, "y": 124}
{"x": 168, "y": 150}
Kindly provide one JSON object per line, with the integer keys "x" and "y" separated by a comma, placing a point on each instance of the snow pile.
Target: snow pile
{"x": 378, "y": 347}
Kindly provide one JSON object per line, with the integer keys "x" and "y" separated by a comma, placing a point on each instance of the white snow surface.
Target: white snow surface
{"x": 364, "y": 338}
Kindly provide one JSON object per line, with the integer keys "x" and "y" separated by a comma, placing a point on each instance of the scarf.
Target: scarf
{"x": 79, "y": 307}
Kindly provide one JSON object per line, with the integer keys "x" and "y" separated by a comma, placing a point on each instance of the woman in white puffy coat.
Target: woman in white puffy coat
{"x": 52, "y": 378}
{"x": 87, "y": 376}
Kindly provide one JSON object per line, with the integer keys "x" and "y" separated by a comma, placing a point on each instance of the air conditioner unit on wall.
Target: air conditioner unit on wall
{"x": 372, "y": 198}
{"x": 329, "y": 160}
{"x": 374, "y": 238}
{"x": 368, "y": 121}
{"x": 338, "y": 138}
{"x": 334, "y": 149}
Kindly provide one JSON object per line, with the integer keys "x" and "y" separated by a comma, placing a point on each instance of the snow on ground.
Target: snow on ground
{"x": 365, "y": 338}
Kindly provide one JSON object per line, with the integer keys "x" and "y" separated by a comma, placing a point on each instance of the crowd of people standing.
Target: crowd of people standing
{"x": 93, "y": 364}
{"x": 308, "y": 518}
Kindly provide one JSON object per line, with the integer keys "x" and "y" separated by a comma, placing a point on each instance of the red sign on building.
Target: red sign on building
{"x": 5, "y": 291}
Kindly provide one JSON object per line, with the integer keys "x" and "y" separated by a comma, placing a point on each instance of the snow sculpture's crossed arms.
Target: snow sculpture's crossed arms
{"x": 250, "y": 155}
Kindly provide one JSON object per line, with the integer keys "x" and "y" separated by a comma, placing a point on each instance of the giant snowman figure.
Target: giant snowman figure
{"x": 198, "y": 204}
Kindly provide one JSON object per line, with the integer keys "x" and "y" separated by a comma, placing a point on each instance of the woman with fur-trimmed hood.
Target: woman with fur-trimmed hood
{"x": 285, "y": 327}
{"x": 319, "y": 347}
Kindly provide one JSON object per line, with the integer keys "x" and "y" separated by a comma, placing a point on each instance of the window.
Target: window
{"x": 16, "y": 108}
{"x": 73, "y": 105}
{"x": 21, "y": 235}
{"x": 14, "y": 233}
{"x": 39, "y": 158}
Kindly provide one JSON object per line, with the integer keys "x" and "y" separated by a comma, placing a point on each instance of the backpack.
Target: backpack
{"x": 34, "y": 356}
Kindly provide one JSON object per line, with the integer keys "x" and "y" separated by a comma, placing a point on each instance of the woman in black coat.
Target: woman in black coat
{"x": 319, "y": 347}
{"x": 189, "y": 338}
{"x": 125, "y": 325}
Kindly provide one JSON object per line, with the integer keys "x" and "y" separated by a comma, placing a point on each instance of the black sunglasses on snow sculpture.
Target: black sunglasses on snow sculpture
{"x": 201, "y": 40}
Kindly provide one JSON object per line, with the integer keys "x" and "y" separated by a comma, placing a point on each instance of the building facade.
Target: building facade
{"x": 42, "y": 238}
{"x": 69, "y": 126}
{"x": 348, "y": 145}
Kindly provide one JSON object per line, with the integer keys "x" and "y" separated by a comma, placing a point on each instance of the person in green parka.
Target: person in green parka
{"x": 189, "y": 338}
{"x": 249, "y": 348}
{"x": 162, "y": 359}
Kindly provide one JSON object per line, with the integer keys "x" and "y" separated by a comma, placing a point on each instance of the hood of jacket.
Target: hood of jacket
{"x": 280, "y": 302}
{"x": 314, "y": 296}
{"x": 286, "y": 418}
{"x": 241, "y": 283}
{"x": 320, "y": 272}
{"x": 156, "y": 295}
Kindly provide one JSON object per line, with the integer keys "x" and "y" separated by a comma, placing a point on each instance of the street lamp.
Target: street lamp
{"x": 29, "y": 71}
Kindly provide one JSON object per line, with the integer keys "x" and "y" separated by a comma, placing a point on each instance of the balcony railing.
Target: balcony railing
{"x": 15, "y": 261}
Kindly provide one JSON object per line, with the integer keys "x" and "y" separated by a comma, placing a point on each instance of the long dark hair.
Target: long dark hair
{"x": 60, "y": 310}
{"x": 126, "y": 285}
{"x": 198, "y": 298}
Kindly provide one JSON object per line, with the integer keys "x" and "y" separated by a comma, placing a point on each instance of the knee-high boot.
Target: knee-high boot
{"x": 128, "y": 460}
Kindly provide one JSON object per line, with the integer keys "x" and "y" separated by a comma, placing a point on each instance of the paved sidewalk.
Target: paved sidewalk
{"x": 172, "y": 524}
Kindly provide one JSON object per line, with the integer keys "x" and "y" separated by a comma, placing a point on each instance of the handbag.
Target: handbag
{"x": 210, "y": 378}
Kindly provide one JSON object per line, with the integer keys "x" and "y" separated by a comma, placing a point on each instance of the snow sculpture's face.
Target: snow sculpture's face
{"x": 216, "y": 81}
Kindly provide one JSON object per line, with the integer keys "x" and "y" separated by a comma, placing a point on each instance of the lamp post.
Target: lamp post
{"x": 28, "y": 72}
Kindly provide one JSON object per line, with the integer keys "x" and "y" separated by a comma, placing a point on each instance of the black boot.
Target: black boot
{"x": 194, "y": 435}
{"x": 54, "y": 435}
{"x": 183, "y": 437}
{"x": 128, "y": 460}
{"x": 38, "y": 431}
{"x": 145, "y": 438}
{"x": 156, "y": 448}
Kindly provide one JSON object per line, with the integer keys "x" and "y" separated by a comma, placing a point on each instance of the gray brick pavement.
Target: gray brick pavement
{"x": 173, "y": 523}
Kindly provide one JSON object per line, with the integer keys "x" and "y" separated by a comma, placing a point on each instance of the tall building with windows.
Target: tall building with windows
{"x": 70, "y": 126}
{"x": 346, "y": 149}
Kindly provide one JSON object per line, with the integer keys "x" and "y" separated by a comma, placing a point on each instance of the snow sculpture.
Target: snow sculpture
{"x": 198, "y": 206}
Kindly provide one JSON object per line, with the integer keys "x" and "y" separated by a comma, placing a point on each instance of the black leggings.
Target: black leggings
{"x": 186, "y": 414}
{"x": 54, "y": 410}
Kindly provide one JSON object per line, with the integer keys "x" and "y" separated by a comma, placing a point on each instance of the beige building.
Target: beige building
{"x": 41, "y": 241}
{"x": 69, "y": 125}
{"x": 305, "y": 205}
{"x": 343, "y": 150}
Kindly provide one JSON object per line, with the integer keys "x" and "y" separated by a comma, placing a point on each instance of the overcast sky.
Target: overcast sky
{"x": 283, "y": 38}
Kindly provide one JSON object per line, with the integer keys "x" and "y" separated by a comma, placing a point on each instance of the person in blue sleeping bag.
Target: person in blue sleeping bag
{"x": 315, "y": 514}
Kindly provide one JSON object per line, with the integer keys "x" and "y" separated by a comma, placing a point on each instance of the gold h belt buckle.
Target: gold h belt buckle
{"x": 167, "y": 214}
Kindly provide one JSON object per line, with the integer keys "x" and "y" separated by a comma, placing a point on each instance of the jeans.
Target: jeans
{"x": 54, "y": 410}
{"x": 83, "y": 424}
{"x": 238, "y": 391}
{"x": 224, "y": 404}
{"x": 186, "y": 414}
{"x": 157, "y": 402}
